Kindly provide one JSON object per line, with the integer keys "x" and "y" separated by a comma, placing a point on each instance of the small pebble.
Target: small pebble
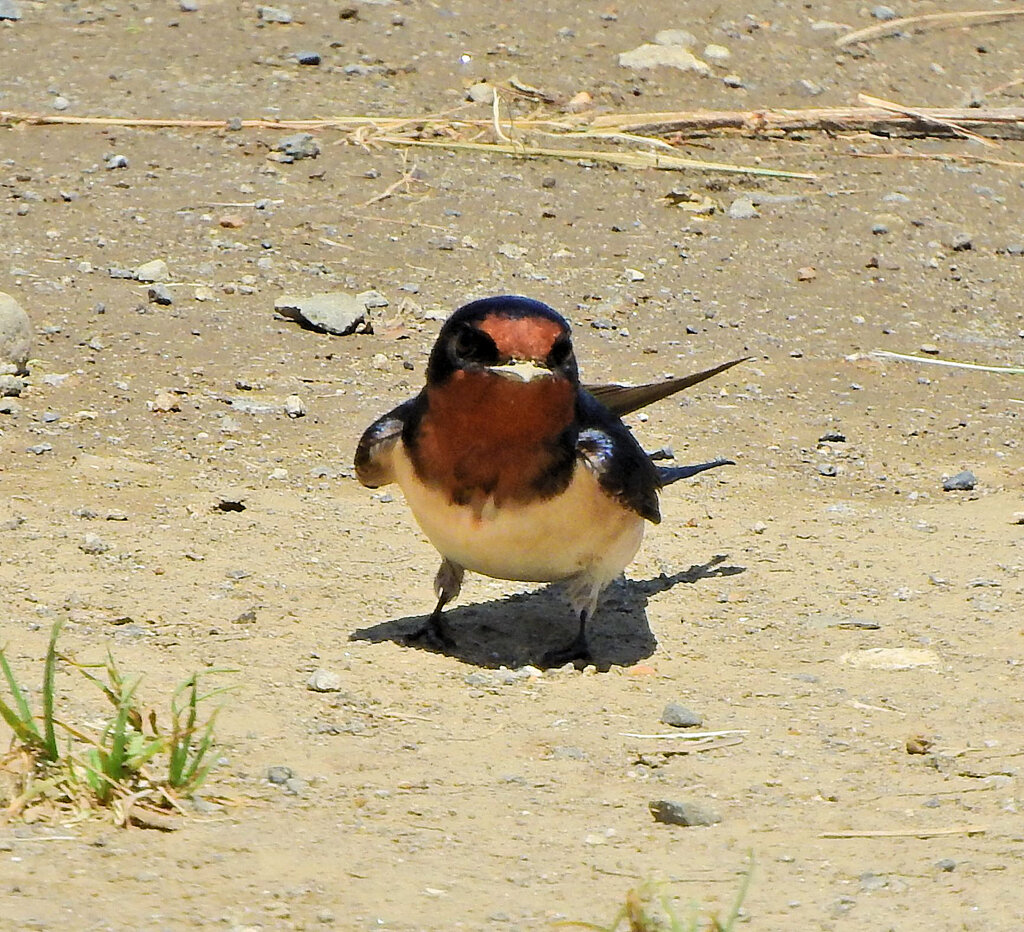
{"x": 324, "y": 681}
{"x": 946, "y": 865}
{"x": 961, "y": 242}
{"x": 164, "y": 403}
{"x": 679, "y": 716}
{"x": 273, "y": 14}
{"x": 297, "y": 146}
{"x": 482, "y": 93}
{"x": 153, "y": 271}
{"x": 38, "y": 449}
{"x": 158, "y": 294}
{"x": 9, "y": 10}
{"x": 742, "y": 209}
{"x": 116, "y": 161}
{"x": 60, "y": 103}
{"x": 94, "y": 544}
{"x": 307, "y": 58}
{"x": 279, "y": 775}
{"x": 294, "y": 406}
{"x": 884, "y": 13}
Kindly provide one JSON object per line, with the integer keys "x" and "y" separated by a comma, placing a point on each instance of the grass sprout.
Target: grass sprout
{"x": 648, "y": 908}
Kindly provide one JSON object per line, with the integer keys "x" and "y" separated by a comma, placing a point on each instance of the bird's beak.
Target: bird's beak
{"x": 521, "y": 371}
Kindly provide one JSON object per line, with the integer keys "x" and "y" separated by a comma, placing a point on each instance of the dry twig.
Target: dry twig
{"x": 1005, "y": 370}
{"x": 926, "y": 22}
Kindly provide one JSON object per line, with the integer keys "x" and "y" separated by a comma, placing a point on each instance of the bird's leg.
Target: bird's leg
{"x": 584, "y": 594}
{"x": 447, "y": 585}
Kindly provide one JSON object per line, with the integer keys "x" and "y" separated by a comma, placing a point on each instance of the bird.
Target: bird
{"x": 515, "y": 469}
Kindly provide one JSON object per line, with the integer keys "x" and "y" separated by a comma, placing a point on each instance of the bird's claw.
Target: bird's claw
{"x": 434, "y": 632}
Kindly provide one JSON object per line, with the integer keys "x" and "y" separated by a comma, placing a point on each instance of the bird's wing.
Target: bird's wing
{"x": 623, "y": 399}
{"x": 374, "y": 455}
{"x": 611, "y": 453}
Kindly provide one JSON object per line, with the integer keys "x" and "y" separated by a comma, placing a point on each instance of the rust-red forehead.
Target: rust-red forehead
{"x": 522, "y": 337}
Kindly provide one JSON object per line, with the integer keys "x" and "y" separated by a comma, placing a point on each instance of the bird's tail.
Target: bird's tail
{"x": 669, "y": 474}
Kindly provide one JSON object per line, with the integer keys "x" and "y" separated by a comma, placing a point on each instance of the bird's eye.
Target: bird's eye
{"x": 560, "y": 352}
{"x": 471, "y": 345}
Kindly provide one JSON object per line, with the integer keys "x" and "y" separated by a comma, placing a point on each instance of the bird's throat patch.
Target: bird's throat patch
{"x": 487, "y": 439}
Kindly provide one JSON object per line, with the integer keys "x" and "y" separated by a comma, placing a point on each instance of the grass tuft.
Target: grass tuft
{"x": 132, "y": 761}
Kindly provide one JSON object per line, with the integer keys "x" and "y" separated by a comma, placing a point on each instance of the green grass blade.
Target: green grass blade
{"x": 49, "y": 669}
{"x": 22, "y": 721}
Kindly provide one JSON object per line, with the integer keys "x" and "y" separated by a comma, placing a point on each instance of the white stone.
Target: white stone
{"x": 669, "y": 56}
{"x": 15, "y": 336}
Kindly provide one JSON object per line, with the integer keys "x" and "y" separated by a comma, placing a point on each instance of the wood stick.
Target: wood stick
{"x": 956, "y": 128}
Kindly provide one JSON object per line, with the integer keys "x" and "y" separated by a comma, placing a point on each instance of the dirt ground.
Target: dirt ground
{"x": 458, "y": 790}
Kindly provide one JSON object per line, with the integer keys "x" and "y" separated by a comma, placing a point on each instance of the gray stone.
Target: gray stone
{"x": 15, "y": 336}
{"x": 38, "y": 449}
{"x": 279, "y": 775}
{"x": 324, "y": 681}
{"x": 307, "y": 58}
{"x": 482, "y": 93}
{"x": 946, "y": 865}
{"x": 9, "y": 10}
{"x": 154, "y": 271}
{"x": 671, "y": 812}
{"x": 961, "y": 482}
{"x": 668, "y": 56}
{"x": 336, "y": 312}
{"x": 297, "y": 146}
{"x": 679, "y": 716}
{"x": 742, "y": 209}
{"x": 273, "y": 14}
{"x": 884, "y": 13}
{"x": 961, "y": 242}
{"x": 158, "y": 294}
{"x": 93, "y": 543}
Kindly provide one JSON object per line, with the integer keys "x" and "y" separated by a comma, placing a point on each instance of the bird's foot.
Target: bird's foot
{"x": 433, "y": 633}
{"x": 577, "y": 653}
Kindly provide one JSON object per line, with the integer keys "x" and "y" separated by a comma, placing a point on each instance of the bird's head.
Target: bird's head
{"x": 510, "y": 337}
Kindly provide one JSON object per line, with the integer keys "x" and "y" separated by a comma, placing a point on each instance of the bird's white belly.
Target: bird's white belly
{"x": 582, "y": 530}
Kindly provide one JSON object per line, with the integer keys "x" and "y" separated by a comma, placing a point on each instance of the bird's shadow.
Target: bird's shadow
{"x": 521, "y": 629}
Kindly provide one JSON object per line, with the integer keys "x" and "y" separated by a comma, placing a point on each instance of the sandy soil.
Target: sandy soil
{"x": 438, "y": 791}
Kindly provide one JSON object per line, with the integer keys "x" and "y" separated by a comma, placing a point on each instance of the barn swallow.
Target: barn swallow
{"x": 516, "y": 470}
